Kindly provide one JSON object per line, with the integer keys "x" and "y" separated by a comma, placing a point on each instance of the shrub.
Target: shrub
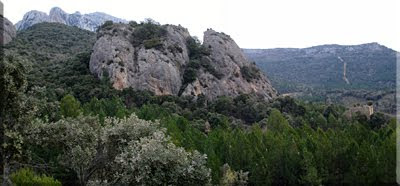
{"x": 148, "y": 30}
{"x": 28, "y": 177}
{"x": 70, "y": 107}
{"x": 250, "y": 72}
{"x": 153, "y": 43}
{"x": 196, "y": 50}
{"x": 107, "y": 25}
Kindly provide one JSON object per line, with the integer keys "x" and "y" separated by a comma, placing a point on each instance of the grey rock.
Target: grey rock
{"x": 86, "y": 21}
{"x": 7, "y": 29}
{"x": 227, "y": 58}
{"x": 58, "y": 15}
{"x": 161, "y": 70}
{"x": 31, "y": 18}
{"x": 156, "y": 70}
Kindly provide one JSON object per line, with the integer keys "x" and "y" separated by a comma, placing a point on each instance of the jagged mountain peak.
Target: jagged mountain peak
{"x": 89, "y": 21}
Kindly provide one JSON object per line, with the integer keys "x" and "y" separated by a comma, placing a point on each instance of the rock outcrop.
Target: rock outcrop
{"x": 229, "y": 60}
{"x": 7, "y": 29}
{"x": 31, "y": 18}
{"x": 85, "y": 21}
{"x": 159, "y": 64}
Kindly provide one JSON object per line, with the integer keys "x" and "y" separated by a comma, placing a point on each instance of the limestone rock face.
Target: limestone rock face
{"x": 31, "y": 18}
{"x": 58, "y": 15}
{"x": 228, "y": 59}
{"x": 7, "y": 29}
{"x": 156, "y": 70}
{"x": 86, "y": 21}
{"x": 161, "y": 69}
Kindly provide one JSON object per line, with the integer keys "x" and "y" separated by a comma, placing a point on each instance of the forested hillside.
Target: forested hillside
{"x": 63, "y": 125}
{"x": 318, "y": 73}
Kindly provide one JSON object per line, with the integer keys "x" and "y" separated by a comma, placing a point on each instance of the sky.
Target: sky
{"x": 251, "y": 23}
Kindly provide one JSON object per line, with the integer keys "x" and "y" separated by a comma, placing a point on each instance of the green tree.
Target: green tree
{"x": 154, "y": 161}
{"x": 321, "y": 122}
{"x": 120, "y": 151}
{"x": 27, "y": 176}
{"x": 332, "y": 121}
{"x": 13, "y": 112}
{"x": 276, "y": 121}
{"x": 69, "y": 106}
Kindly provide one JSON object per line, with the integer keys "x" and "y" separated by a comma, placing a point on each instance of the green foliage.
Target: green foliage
{"x": 320, "y": 69}
{"x": 316, "y": 73}
{"x": 190, "y": 73}
{"x": 196, "y": 49}
{"x": 377, "y": 120}
{"x": 149, "y": 33}
{"x": 69, "y": 106}
{"x": 250, "y": 72}
{"x": 102, "y": 153}
{"x": 15, "y": 112}
{"x": 276, "y": 121}
{"x": 174, "y": 140}
{"x": 198, "y": 60}
{"x": 231, "y": 177}
{"x": 106, "y": 25}
{"x": 154, "y": 161}
{"x": 27, "y": 177}
{"x": 153, "y": 43}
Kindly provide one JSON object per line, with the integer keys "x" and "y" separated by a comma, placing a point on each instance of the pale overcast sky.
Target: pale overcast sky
{"x": 251, "y": 23}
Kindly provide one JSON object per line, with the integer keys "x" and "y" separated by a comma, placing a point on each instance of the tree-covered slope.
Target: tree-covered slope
{"x": 57, "y": 57}
{"x": 368, "y": 66}
{"x": 333, "y": 73}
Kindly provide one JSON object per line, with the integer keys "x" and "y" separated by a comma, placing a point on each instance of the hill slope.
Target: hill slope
{"x": 58, "y": 59}
{"x": 331, "y": 72}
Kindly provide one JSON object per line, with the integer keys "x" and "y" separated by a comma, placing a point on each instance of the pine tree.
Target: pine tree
{"x": 70, "y": 107}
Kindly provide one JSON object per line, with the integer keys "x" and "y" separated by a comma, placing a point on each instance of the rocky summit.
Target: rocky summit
{"x": 166, "y": 60}
{"x": 89, "y": 21}
{"x": 7, "y": 29}
{"x": 238, "y": 75}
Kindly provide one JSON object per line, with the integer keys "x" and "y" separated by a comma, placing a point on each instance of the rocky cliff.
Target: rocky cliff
{"x": 166, "y": 60}
{"x": 7, "y": 29}
{"x": 238, "y": 74}
{"x": 85, "y": 21}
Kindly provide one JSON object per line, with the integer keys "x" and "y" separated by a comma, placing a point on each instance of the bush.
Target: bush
{"x": 196, "y": 50}
{"x": 27, "y": 177}
{"x": 148, "y": 30}
{"x": 107, "y": 25}
{"x": 250, "y": 72}
{"x": 153, "y": 43}
{"x": 70, "y": 107}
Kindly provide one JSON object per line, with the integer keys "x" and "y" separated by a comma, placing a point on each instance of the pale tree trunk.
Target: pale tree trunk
{"x": 6, "y": 173}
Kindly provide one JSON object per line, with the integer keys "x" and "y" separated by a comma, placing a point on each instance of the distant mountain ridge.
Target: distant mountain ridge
{"x": 89, "y": 21}
{"x": 346, "y": 74}
{"x": 368, "y": 65}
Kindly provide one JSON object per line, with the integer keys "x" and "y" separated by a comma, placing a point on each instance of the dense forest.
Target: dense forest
{"x": 63, "y": 126}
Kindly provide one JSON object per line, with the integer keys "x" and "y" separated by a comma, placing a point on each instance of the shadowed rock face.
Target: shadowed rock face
{"x": 160, "y": 69}
{"x": 7, "y": 29}
{"x": 86, "y": 21}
